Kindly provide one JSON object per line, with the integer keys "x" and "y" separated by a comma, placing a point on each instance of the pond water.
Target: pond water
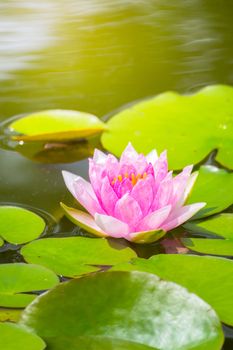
{"x": 95, "y": 56}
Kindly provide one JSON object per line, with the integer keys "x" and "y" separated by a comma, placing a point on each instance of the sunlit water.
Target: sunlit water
{"x": 96, "y": 55}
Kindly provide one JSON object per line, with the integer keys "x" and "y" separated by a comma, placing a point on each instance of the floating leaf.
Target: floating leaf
{"x": 14, "y": 336}
{"x": 18, "y": 279}
{"x": 95, "y": 343}
{"x": 208, "y": 277}
{"x": 220, "y": 225}
{"x": 189, "y": 126}
{"x": 1, "y": 241}
{"x": 213, "y": 186}
{"x": 125, "y": 306}
{"x": 12, "y": 315}
{"x": 18, "y": 225}
{"x": 54, "y": 151}
{"x": 210, "y": 246}
{"x": 74, "y": 256}
{"x": 56, "y": 125}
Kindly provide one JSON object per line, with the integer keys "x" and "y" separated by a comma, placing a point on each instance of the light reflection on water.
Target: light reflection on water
{"x": 96, "y": 55}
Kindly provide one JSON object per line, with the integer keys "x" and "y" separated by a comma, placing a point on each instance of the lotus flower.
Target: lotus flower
{"x": 135, "y": 198}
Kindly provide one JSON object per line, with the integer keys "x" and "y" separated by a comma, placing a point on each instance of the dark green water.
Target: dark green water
{"x": 96, "y": 55}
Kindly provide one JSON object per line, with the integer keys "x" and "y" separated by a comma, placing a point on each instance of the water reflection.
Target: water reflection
{"x": 37, "y": 185}
{"x": 96, "y": 55}
{"x": 24, "y": 30}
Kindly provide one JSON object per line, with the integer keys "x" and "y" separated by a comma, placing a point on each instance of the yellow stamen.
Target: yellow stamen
{"x": 120, "y": 178}
{"x": 133, "y": 179}
{"x": 114, "y": 181}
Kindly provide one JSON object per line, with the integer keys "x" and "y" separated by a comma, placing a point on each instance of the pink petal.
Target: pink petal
{"x": 128, "y": 210}
{"x": 142, "y": 192}
{"x": 108, "y": 196}
{"x": 83, "y": 220}
{"x": 154, "y": 220}
{"x": 86, "y": 197}
{"x": 97, "y": 170}
{"x": 127, "y": 169}
{"x": 123, "y": 187}
{"x": 129, "y": 155}
{"x": 141, "y": 164}
{"x": 112, "y": 167}
{"x": 96, "y": 173}
{"x": 112, "y": 226}
{"x": 161, "y": 168}
{"x": 69, "y": 179}
{"x": 145, "y": 236}
{"x": 169, "y": 176}
{"x": 152, "y": 157}
{"x": 181, "y": 215}
{"x": 179, "y": 184}
{"x": 99, "y": 157}
{"x": 163, "y": 195}
{"x": 189, "y": 186}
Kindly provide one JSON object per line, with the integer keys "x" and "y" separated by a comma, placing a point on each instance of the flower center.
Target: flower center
{"x": 133, "y": 178}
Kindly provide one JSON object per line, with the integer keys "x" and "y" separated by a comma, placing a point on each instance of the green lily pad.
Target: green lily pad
{"x": 18, "y": 279}
{"x": 125, "y": 306}
{"x": 95, "y": 343}
{"x": 213, "y": 186}
{"x": 220, "y": 225}
{"x": 210, "y": 246}
{"x": 18, "y": 225}
{"x": 74, "y": 256}
{"x": 179, "y": 124}
{"x": 13, "y": 336}
{"x": 1, "y": 241}
{"x": 56, "y": 125}
{"x": 208, "y": 277}
{"x": 11, "y": 315}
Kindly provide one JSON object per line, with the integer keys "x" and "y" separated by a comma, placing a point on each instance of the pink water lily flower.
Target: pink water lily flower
{"x": 136, "y": 198}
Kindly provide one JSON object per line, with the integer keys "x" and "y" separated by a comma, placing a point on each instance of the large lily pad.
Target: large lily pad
{"x": 208, "y": 277}
{"x": 125, "y": 306}
{"x": 213, "y": 186}
{"x": 189, "y": 126}
{"x": 220, "y": 225}
{"x": 7, "y": 314}
{"x": 56, "y": 125}
{"x": 13, "y": 336}
{"x": 18, "y": 225}
{"x": 74, "y": 256}
{"x": 17, "y": 280}
{"x": 95, "y": 343}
